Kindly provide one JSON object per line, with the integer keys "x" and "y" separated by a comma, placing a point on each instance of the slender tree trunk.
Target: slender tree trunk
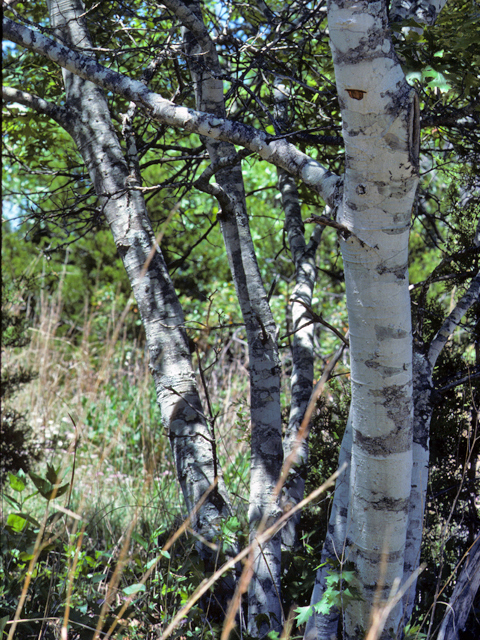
{"x": 325, "y": 626}
{"x": 381, "y": 130}
{"x": 425, "y": 358}
{"x": 301, "y": 379}
{"x": 266, "y": 435}
{"x": 466, "y": 588}
{"x": 162, "y": 315}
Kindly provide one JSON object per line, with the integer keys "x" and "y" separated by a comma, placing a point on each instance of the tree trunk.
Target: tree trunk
{"x": 162, "y": 315}
{"x": 458, "y": 609}
{"x": 325, "y": 626}
{"x": 301, "y": 379}
{"x": 424, "y": 360}
{"x": 381, "y": 133}
{"x": 264, "y": 363}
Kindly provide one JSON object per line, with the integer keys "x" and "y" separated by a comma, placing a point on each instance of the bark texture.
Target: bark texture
{"x": 301, "y": 379}
{"x": 264, "y": 363}
{"x": 424, "y": 360}
{"x": 279, "y": 152}
{"x": 460, "y": 604}
{"x": 424, "y": 11}
{"x": 381, "y": 133}
{"x": 162, "y": 316}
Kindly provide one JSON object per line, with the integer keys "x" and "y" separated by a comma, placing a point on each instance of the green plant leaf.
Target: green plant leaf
{"x": 16, "y": 522}
{"x": 44, "y": 487}
{"x": 134, "y": 588}
{"x": 304, "y": 614}
{"x": 323, "y": 607}
{"x": 52, "y": 475}
{"x": 3, "y": 624}
{"x": 16, "y": 483}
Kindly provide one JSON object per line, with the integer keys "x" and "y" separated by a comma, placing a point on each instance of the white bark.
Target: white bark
{"x": 301, "y": 379}
{"x": 380, "y": 128}
{"x": 424, "y": 11}
{"x": 92, "y": 130}
{"x": 266, "y": 436}
{"x": 460, "y": 604}
{"x": 425, "y": 358}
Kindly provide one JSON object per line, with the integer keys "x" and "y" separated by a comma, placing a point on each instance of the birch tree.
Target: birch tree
{"x": 377, "y": 512}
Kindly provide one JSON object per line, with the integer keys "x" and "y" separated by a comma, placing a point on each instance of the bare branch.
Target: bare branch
{"x": 320, "y": 320}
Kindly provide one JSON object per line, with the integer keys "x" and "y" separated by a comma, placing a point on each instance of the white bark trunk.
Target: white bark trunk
{"x": 380, "y": 128}
{"x": 162, "y": 316}
{"x": 425, "y": 358}
{"x": 325, "y": 627}
{"x": 301, "y": 379}
{"x": 266, "y": 436}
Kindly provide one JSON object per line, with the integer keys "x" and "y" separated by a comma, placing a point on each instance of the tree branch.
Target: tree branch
{"x": 59, "y": 114}
{"x": 453, "y": 320}
{"x": 278, "y": 152}
{"x": 468, "y": 583}
{"x": 424, "y": 11}
{"x": 320, "y": 320}
{"x": 189, "y": 20}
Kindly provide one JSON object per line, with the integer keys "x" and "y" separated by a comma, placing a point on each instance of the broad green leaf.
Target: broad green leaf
{"x": 303, "y": 614}
{"x": 323, "y": 607}
{"x": 16, "y": 522}
{"x": 16, "y": 483}
{"x": 134, "y": 588}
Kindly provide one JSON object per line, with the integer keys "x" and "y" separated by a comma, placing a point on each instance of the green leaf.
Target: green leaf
{"x": 44, "y": 487}
{"x": 348, "y": 576}
{"x": 134, "y": 588}
{"x": 141, "y": 541}
{"x": 61, "y": 490}
{"x": 14, "y": 503}
{"x": 323, "y": 607}
{"x": 52, "y": 475}
{"x": 3, "y": 624}
{"x": 150, "y": 563}
{"x": 304, "y": 614}
{"x": 16, "y": 483}
{"x": 16, "y": 522}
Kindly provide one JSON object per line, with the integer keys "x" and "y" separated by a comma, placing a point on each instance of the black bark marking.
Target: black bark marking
{"x": 390, "y": 333}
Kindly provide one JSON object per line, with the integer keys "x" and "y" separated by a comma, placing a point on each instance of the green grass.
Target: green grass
{"x": 77, "y": 558}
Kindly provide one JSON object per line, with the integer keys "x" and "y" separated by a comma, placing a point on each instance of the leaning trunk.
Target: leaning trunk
{"x": 162, "y": 315}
